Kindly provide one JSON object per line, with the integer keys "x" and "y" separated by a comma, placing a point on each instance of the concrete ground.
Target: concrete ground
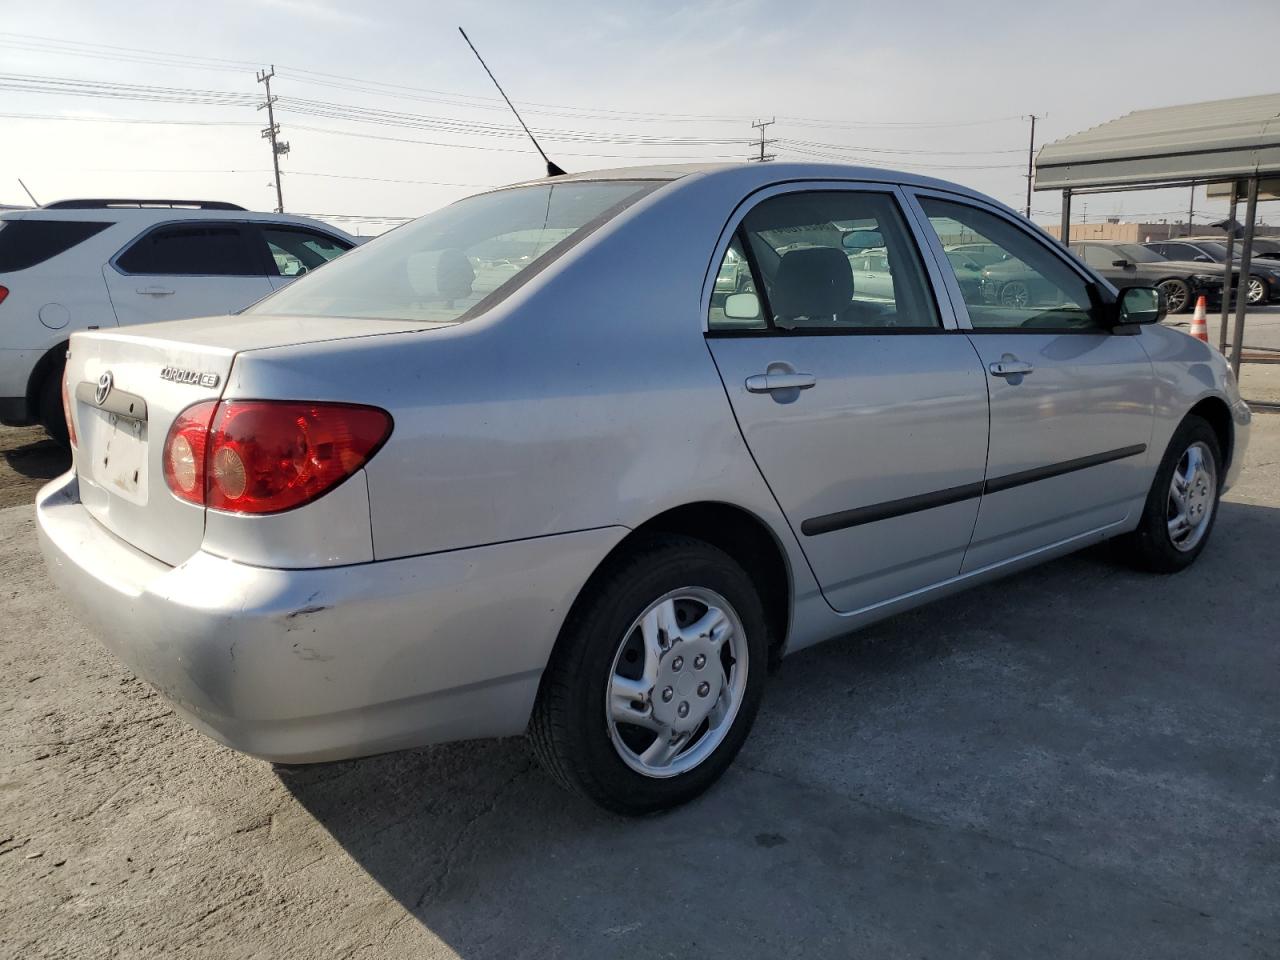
{"x": 1080, "y": 761}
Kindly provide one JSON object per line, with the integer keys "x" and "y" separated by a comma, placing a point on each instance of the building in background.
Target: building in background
{"x": 1114, "y": 229}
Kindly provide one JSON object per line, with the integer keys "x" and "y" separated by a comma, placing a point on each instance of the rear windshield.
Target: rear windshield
{"x": 458, "y": 260}
{"x": 25, "y": 243}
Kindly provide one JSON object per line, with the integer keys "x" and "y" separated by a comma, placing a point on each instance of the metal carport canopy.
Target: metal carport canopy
{"x": 1216, "y": 141}
{"x": 1198, "y": 142}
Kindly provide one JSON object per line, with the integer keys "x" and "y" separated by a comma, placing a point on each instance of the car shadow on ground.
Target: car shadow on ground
{"x": 1072, "y": 756}
{"x": 30, "y": 458}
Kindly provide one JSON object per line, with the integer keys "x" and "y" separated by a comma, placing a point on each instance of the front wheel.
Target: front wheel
{"x": 656, "y": 679}
{"x": 1259, "y": 291}
{"x": 1182, "y": 503}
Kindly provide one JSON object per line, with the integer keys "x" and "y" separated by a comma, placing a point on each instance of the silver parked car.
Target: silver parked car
{"x": 529, "y": 463}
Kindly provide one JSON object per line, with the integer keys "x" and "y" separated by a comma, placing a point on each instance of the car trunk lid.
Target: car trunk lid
{"x": 128, "y": 385}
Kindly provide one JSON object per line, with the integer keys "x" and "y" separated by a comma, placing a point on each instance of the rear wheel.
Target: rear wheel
{"x": 1176, "y": 294}
{"x": 1183, "y": 501}
{"x": 656, "y": 679}
{"x": 49, "y": 404}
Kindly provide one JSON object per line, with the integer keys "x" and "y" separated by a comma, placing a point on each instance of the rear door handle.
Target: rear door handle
{"x": 1010, "y": 368}
{"x": 768, "y": 382}
{"x": 155, "y": 291}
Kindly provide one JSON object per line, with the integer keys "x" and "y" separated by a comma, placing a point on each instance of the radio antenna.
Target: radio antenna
{"x": 552, "y": 169}
{"x": 29, "y": 194}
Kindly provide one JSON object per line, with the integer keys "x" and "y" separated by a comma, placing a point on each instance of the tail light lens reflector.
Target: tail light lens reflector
{"x": 267, "y": 456}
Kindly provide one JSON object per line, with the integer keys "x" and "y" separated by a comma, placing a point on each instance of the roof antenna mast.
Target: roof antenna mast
{"x": 552, "y": 169}
{"x": 29, "y": 194}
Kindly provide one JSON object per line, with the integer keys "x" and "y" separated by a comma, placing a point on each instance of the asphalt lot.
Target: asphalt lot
{"x": 1080, "y": 761}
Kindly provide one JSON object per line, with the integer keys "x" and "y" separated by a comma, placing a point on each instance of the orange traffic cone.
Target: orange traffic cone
{"x": 1199, "y": 328}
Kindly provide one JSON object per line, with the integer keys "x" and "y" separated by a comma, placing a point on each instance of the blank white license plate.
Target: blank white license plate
{"x": 119, "y": 456}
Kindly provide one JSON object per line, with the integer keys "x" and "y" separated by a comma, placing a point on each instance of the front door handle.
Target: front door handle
{"x": 768, "y": 382}
{"x": 1010, "y": 367}
{"x": 155, "y": 291}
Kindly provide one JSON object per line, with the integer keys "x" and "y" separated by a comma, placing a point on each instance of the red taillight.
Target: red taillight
{"x": 266, "y": 456}
{"x": 66, "y": 405}
{"x": 183, "y": 455}
{"x": 4, "y": 292}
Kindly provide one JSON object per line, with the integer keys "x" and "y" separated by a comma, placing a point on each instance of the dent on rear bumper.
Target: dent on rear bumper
{"x": 322, "y": 664}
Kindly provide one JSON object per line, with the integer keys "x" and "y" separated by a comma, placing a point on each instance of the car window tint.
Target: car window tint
{"x": 294, "y": 252}
{"x": 1031, "y": 287}
{"x": 26, "y": 243}
{"x": 835, "y": 261}
{"x": 212, "y": 249}
{"x": 734, "y": 277}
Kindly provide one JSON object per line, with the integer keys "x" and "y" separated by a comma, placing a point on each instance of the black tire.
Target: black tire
{"x": 568, "y": 730}
{"x": 49, "y": 404}
{"x": 1177, "y": 295}
{"x": 1150, "y": 547}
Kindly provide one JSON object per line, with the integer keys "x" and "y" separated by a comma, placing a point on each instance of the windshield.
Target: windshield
{"x": 1136, "y": 253}
{"x": 443, "y": 265}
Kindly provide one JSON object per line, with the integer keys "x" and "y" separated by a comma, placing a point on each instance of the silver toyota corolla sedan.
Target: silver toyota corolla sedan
{"x": 582, "y": 457}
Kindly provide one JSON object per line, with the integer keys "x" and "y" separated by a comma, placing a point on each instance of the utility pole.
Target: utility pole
{"x": 272, "y": 132}
{"x": 1031, "y": 157}
{"x": 761, "y": 125}
{"x": 1191, "y": 209}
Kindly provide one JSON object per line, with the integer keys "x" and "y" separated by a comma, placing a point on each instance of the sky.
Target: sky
{"x": 388, "y": 115}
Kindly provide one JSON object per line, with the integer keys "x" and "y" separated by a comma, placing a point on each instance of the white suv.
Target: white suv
{"x": 90, "y": 264}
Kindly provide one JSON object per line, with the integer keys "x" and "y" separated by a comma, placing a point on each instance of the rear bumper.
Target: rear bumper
{"x": 300, "y": 666}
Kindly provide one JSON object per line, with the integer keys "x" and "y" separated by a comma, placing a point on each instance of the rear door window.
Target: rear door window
{"x": 192, "y": 249}
{"x": 26, "y": 243}
{"x": 834, "y": 261}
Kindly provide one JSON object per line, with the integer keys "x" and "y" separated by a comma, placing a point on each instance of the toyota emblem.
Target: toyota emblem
{"x": 104, "y": 388}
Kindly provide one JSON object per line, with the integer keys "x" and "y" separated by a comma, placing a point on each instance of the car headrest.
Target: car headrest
{"x": 814, "y": 282}
{"x": 454, "y": 275}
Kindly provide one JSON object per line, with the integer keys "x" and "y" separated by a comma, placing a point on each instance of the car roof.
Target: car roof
{"x": 142, "y": 216}
{"x": 756, "y": 175}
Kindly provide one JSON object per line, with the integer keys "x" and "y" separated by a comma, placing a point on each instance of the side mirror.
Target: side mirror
{"x": 1140, "y": 305}
{"x": 1203, "y": 258}
{"x": 741, "y": 306}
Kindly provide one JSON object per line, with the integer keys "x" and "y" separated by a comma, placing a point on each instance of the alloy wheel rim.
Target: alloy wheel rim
{"x": 1015, "y": 294}
{"x": 1255, "y": 290}
{"x": 676, "y": 682}
{"x": 1192, "y": 497}
{"x": 1174, "y": 296}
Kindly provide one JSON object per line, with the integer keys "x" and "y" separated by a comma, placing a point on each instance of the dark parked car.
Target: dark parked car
{"x": 1011, "y": 283}
{"x": 1134, "y": 265}
{"x": 1264, "y": 279}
